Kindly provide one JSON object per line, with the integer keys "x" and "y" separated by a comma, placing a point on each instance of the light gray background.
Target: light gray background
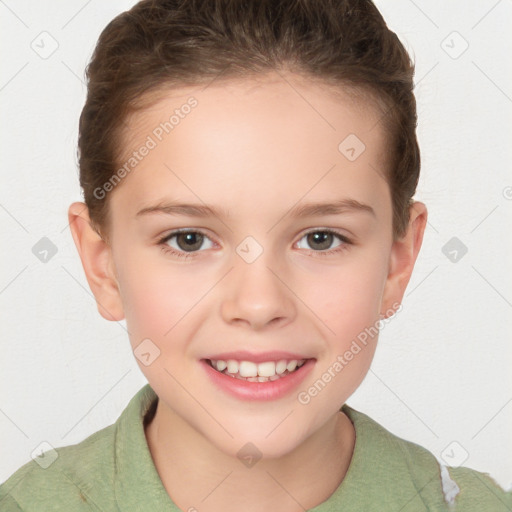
{"x": 441, "y": 373}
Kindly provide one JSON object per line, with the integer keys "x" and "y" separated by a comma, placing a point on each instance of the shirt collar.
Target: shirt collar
{"x": 137, "y": 485}
{"x": 379, "y": 464}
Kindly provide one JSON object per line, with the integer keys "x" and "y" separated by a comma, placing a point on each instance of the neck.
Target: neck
{"x": 198, "y": 476}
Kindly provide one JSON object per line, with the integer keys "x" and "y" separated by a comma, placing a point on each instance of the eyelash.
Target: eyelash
{"x": 182, "y": 254}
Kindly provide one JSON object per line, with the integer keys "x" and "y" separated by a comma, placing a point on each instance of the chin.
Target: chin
{"x": 259, "y": 443}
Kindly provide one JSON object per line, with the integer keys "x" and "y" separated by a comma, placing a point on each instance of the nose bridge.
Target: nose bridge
{"x": 256, "y": 296}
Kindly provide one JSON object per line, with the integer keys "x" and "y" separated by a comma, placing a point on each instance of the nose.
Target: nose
{"x": 256, "y": 296}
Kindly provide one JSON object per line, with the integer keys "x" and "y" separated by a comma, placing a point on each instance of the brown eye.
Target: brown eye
{"x": 187, "y": 241}
{"x": 320, "y": 240}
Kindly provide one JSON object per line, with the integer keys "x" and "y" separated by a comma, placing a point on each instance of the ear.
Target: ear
{"x": 404, "y": 252}
{"x": 96, "y": 256}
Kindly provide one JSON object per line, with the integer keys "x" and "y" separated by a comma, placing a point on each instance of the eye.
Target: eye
{"x": 186, "y": 241}
{"x": 322, "y": 240}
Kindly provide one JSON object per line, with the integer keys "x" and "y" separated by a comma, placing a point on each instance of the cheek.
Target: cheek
{"x": 348, "y": 304}
{"x": 347, "y": 297}
{"x": 155, "y": 297}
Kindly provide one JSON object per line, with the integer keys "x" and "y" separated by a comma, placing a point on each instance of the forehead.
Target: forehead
{"x": 277, "y": 134}
{"x": 299, "y": 98}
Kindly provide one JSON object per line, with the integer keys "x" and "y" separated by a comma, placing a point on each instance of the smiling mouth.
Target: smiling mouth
{"x": 256, "y": 372}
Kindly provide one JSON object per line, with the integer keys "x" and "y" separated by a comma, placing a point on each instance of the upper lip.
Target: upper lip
{"x": 260, "y": 357}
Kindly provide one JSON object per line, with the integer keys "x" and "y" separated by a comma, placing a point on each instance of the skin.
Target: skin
{"x": 256, "y": 149}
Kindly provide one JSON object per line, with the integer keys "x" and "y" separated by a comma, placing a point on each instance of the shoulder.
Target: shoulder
{"x": 65, "y": 478}
{"x": 479, "y": 491}
{"x": 110, "y": 466}
{"x": 404, "y": 466}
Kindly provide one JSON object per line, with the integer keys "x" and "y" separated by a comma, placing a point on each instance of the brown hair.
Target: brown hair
{"x": 177, "y": 43}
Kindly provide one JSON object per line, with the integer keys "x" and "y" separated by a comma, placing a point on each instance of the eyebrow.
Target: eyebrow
{"x": 298, "y": 211}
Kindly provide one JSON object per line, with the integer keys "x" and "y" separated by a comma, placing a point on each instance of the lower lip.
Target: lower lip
{"x": 270, "y": 390}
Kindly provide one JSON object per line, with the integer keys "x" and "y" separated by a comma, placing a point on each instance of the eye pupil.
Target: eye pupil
{"x": 189, "y": 241}
{"x": 322, "y": 238}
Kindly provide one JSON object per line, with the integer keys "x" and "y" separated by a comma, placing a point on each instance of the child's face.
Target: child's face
{"x": 256, "y": 153}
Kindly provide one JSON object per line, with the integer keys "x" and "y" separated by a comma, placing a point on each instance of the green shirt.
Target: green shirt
{"x": 112, "y": 470}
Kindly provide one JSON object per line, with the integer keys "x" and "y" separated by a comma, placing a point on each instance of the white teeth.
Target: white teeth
{"x": 257, "y": 372}
{"x": 220, "y": 365}
{"x": 247, "y": 369}
{"x": 232, "y": 366}
{"x": 291, "y": 365}
{"x": 267, "y": 369}
{"x": 281, "y": 366}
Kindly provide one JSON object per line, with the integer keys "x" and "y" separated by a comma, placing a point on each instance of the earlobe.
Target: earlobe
{"x": 96, "y": 256}
{"x": 403, "y": 256}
